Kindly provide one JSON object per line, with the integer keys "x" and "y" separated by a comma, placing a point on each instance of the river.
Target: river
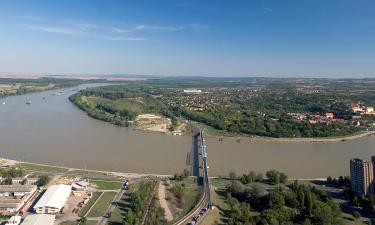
{"x": 53, "y": 131}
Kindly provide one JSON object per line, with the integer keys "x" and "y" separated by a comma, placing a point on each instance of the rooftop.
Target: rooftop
{"x": 38, "y": 219}
{"x": 16, "y": 188}
{"x": 55, "y": 196}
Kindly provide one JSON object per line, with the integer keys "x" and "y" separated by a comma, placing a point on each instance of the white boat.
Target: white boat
{"x": 3, "y": 103}
{"x": 28, "y": 102}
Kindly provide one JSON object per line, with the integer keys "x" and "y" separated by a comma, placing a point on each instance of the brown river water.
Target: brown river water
{"x": 53, "y": 131}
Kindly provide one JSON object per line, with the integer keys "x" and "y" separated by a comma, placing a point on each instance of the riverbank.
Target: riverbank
{"x": 293, "y": 140}
{"x": 61, "y": 169}
{"x": 11, "y": 87}
{"x": 7, "y": 163}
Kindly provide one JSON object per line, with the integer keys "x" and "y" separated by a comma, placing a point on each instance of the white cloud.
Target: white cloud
{"x": 192, "y": 26}
{"x": 34, "y": 18}
{"x": 57, "y": 30}
{"x": 160, "y": 28}
{"x": 267, "y": 9}
{"x": 197, "y": 26}
{"x": 119, "y": 30}
{"x": 72, "y": 32}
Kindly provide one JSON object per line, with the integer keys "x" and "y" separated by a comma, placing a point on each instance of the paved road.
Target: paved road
{"x": 104, "y": 219}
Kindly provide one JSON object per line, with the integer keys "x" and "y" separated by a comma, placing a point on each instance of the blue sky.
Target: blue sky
{"x": 309, "y": 38}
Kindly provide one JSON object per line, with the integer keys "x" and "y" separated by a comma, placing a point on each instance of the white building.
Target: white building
{"x": 370, "y": 110}
{"x": 80, "y": 185}
{"x": 39, "y": 219}
{"x": 53, "y": 200}
{"x": 192, "y": 91}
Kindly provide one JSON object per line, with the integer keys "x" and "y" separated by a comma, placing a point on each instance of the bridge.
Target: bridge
{"x": 206, "y": 180}
{"x": 198, "y": 161}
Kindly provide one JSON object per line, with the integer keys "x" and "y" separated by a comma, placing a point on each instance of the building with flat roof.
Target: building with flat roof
{"x": 53, "y": 200}
{"x": 39, "y": 219}
{"x": 25, "y": 180}
{"x": 14, "y": 197}
{"x": 362, "y": 176}
{"x": 17, "y": 191}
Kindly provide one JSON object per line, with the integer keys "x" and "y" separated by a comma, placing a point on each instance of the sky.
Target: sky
{"x": 288, "y": 38}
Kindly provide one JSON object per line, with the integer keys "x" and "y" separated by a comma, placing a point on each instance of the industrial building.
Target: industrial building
{"x": 22, "y": 180}
{"x": 39, "y": 219}
{"x": 25, "y": 180}
{"x": 53, "y": 200}
{"x": 13, "y": 197}
{"x": 17, "y": 191}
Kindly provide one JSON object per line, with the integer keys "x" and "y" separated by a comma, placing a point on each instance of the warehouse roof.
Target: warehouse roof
{"x": 38, "y": 219}
{"x": 54, "y": 197}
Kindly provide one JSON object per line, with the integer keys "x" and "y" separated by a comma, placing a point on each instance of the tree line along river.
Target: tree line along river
{"x": 53, "y": 131}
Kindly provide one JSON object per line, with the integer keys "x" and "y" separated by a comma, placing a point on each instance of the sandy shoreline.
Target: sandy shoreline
{"x": 11, "y": 162}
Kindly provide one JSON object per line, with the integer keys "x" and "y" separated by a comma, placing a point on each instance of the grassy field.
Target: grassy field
{"x": 94, "y": 197}
{"x": 106, "y": 185}
{"x": 119, "y": 104}
{"x": 219, "y": 182}
{"x": 102, "y": 204}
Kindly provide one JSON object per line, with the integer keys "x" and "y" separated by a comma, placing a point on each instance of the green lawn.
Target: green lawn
{"x": 220, "y": 182}
{"x": 106, "y": 185}
{"x": 102, "y": 204}
{"x": 94, "y": 197}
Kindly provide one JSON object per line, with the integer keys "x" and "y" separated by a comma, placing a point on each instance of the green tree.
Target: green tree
{"x": 275, "y": 200}
{"x": 273, "y": 176}
{"x": 43, "y": 180}
{"x": 322, "y": 214}
{"x": 308, "y": 203}
{"x": 301, "y": 197}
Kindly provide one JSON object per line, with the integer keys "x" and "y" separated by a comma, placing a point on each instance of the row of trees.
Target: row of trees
{"x": 139, "y": 200}
{"x": 299, "y": 204}
{"x": 272, "y": 177}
